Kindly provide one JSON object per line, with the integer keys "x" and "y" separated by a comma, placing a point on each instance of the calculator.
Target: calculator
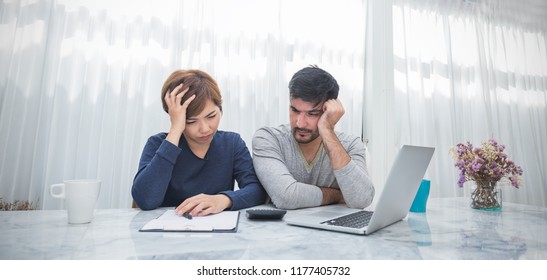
{"x": 266, "y": 213}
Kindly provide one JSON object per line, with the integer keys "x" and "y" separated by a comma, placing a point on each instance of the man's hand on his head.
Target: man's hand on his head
{"x": 333, "y": 110}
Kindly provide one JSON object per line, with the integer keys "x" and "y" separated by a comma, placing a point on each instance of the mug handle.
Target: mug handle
{"x": 59, "y": 195}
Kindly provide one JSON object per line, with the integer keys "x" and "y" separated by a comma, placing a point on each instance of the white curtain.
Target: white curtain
{"x": 80, "y": 80}
{"x": 471, "y": 71}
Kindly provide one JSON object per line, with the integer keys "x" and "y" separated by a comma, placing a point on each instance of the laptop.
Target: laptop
{"x": 393, "y": 204}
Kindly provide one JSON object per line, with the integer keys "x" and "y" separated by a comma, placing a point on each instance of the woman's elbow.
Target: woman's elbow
{"x": 147, "y": 207}
{"x": 145, "y": 204}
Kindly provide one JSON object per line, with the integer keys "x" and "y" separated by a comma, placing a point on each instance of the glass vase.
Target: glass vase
{"x": 486, "y": 196}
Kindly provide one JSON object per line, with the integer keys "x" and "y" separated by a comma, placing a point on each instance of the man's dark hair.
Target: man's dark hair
{"x": 313, "y": 84}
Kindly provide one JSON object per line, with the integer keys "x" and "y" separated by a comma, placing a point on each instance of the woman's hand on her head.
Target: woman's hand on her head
{"x": 204, "y": 204}
{"x": 177, "y": 112}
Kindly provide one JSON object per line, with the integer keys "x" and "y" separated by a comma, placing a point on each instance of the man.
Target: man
{"x": 308, "y": 164}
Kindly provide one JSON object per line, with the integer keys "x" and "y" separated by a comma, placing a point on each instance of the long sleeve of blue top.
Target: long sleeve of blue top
{"x": 168, "y": 174}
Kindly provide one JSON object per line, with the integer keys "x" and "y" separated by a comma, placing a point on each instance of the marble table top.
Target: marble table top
{"x": 449, "y": 229}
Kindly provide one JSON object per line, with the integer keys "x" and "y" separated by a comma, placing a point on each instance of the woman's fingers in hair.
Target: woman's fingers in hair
{"x": 185, "y": 104}
{"x": 180, "y": 95}
{"x": 175, "y": 96}
{"x": 176, "y": 92}
{"x": 171, "y": 95}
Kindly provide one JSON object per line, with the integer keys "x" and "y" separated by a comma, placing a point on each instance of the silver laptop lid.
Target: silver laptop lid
{"x": 401, "y": 186}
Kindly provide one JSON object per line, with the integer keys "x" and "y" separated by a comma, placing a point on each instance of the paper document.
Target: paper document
{"x": 226, "y": 221}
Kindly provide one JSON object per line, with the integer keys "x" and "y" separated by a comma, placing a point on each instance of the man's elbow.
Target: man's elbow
{"x": 360, "y": 202}
{"x": 285, "y": 203}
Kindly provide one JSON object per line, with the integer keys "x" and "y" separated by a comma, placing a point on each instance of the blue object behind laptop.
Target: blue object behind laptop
{"x": 420, "y": 201}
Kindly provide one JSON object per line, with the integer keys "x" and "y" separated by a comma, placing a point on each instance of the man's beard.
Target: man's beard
{"x": 311, "y": 136}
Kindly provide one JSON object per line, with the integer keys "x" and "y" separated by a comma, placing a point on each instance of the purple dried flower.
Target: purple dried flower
{"x": 476, "y": 166}
{"x": 461, "y": 180}
{"x": 487, "y": 162}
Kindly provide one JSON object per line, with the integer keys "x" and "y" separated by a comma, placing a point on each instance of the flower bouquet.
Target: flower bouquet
{"x": 485, "y": 165}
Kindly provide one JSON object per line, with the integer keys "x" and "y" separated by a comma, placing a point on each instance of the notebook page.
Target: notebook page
{"x": 169, "y": 220}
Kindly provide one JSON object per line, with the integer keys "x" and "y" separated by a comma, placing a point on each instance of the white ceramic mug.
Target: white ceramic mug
{"x": 80, "y": 198}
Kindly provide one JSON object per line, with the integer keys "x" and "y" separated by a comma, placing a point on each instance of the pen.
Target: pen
{"x": 187, "y": 216}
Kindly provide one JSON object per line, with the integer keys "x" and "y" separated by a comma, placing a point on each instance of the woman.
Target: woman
{"x": 193, "y": 167}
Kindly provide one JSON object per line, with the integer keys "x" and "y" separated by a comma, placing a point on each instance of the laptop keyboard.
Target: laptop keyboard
{"x": 354, "y": 220}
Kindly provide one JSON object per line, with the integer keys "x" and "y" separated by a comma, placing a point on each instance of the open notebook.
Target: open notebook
{"x": 226, "y": 221}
